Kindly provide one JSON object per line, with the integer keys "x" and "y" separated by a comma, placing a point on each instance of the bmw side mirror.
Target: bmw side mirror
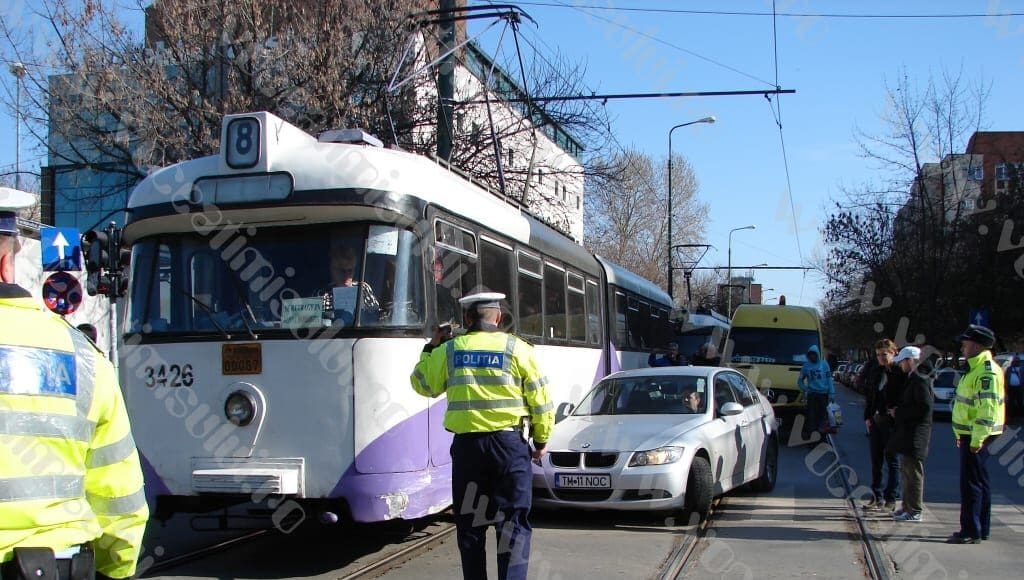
{"x": 563, "y": 411}
{"x": 731, "y": 408}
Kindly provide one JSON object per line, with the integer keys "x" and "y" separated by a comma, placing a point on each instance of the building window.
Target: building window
{"x": 540, "y": 176}
{"x": 510, "y": 156}
{"x": 976, "y": 172}
{"x": 1000, "y": 172}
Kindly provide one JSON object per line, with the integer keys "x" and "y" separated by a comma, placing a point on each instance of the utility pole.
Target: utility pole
{"x": 18, "y": 70}
{"x": 446, "y": 80}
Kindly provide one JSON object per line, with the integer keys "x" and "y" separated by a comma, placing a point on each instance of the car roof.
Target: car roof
{"x": 678, "y": 371}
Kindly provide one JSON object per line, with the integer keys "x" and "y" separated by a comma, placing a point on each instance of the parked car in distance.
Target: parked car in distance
{"x": 1004, "y": 359}
{"x": 944, "y": 389}
{"x": 660, "y": 439}
{"x": 837, "y": 373}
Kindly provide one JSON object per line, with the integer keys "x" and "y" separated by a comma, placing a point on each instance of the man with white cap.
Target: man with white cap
{"x": 978, "y": 415}
{"x": 71, "y": 497}
{"x": 912, "y": 433}
{"x": 493, "y": 385}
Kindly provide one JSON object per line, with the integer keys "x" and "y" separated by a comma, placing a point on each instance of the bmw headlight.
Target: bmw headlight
{"x": 240, "y": 408}
{"x": 659, "y": 456}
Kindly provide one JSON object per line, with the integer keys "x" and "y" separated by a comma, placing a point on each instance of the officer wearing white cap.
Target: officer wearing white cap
{"x": 978, "y": 415}
{"x": 71, "y": 497}
{"x": 493, "y": 385}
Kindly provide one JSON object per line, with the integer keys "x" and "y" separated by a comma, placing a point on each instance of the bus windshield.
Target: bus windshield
{"x": 771, "y": 345}
{"x": 344, "y": 275}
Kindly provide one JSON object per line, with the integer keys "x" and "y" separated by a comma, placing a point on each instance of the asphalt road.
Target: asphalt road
{"x": 803, "y": 529}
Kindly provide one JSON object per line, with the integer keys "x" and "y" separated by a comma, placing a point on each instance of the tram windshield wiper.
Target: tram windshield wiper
{"x": 248, "y": 308}
{"x": 209, "y": 312}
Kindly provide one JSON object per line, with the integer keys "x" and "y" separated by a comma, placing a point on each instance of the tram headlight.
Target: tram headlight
{"x": 240, "y": 408}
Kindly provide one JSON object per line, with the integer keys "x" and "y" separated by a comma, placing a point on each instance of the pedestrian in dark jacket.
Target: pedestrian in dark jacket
{"x": 913, "y": 432}
{"x": 671, "y": 359}
{"x": 883, "y": 389}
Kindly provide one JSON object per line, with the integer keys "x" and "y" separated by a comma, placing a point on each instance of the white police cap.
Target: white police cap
{"x": 12, "y": 200}
{"x": 482, "y": 300}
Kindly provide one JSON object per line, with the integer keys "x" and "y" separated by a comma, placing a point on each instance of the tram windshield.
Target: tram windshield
{"x": 287, "y": 278}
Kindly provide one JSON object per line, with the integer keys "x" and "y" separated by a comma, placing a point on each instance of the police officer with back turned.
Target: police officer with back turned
{"x": 71, "y": 497}
{"x": 978, "y": 411}
{"x": 493, "y": 385}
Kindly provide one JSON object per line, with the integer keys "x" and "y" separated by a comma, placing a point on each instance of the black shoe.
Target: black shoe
{"x": 958, "y": 538}
{"x": 984, "y": 537}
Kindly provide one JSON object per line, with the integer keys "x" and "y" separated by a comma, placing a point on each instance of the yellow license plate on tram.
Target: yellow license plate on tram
{"x": 241, "y": 359}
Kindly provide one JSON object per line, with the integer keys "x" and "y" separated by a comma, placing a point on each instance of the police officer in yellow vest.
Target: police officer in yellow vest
{"x": 71, "y": 497}
{"x": 493, "y": 384}
{"x": 977, "y": 420}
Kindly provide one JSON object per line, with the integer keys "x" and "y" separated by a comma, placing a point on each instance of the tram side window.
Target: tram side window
{"x": 530, "y": 295}
{"x": 638, "y": 321}
{"x": 660, "y": 326}
{"x": 593, "y": 313}
{"x": 496, "y": 269}
{"x": 646, "y": 335}
{"x": 577, "y": 311}
{"x": 621, "y": 336}
{"x": 455, "y": 262}
{"x": 554, "y": 302}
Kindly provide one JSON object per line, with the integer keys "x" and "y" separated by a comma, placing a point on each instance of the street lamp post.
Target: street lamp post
{"x": 728, "y": 279}
{"x": 18, "y": 70}
{"x": 708, "y": 120}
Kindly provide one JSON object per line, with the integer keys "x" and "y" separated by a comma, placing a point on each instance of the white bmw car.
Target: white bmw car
{"x": 668, "y": 438}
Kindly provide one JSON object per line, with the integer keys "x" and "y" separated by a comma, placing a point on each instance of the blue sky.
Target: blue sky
{"x": 838, "y": 67}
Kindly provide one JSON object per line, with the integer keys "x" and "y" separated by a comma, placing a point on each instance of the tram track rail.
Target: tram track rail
{"x": 874, "y": 557}
{"x": 407, "y": 552}
{"x": 204, "y": 552}
{"x": 371, "y": 564}
{"x": 680, "y": 559}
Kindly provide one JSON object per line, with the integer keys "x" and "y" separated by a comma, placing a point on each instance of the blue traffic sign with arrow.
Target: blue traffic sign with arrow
{"x": 61, "y": 249}
{"x": 979, "y": 317}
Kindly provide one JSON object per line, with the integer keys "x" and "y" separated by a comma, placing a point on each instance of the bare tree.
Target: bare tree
{"x": 892, "y": 243}
{"x": 106, "y": 99}
{"x": 626, "y": 214}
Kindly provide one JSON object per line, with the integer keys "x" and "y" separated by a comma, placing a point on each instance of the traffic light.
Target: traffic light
{"x": 106, "y": 262}
{"x": 96, "y": 247}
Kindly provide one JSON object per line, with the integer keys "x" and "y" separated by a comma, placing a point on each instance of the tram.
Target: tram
{"x": 281, "y": 292}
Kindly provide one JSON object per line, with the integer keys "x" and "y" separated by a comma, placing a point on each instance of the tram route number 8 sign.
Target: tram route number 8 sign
{"x": 62, "y": 293}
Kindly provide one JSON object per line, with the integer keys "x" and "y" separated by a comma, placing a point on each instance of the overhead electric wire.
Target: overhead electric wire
{"x": 670, "y": 45}
{"x": 777, "y": 113}
{"x": 773, "y": 13}
{"x": 537, "y": 52}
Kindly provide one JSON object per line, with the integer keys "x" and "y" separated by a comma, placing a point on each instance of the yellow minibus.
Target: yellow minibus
{"x": 768, "y": 343}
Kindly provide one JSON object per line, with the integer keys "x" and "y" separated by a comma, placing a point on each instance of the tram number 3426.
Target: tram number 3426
{"x": 169, "y": 376}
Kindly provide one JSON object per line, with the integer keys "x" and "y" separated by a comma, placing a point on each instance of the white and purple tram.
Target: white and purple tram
{"x": 281, "y": 292}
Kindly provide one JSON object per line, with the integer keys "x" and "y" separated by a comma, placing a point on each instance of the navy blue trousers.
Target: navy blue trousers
{"x": 975, "y": 495}
{"x": 492, "y": 486}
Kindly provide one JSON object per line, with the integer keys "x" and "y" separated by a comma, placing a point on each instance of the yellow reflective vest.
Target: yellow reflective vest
{"x": 978, "y": 406}
{"x": 69, "y": 470}
{"x": 492, "y": 382}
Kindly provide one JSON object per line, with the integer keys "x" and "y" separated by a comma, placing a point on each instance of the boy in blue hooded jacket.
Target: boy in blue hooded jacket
{"x": 815, "y": 381}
